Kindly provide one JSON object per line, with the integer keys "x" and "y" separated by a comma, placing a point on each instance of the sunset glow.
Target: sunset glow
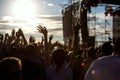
{"x": 23, "y": 9}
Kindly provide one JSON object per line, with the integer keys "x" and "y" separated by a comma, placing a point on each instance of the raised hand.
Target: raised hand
{"x": 20, "y": 32}
{"x": 42, "y": 30}
{"x": 17, "y": 34}
{"x": 51, "y": 37}
{"x": 13, "y": 32}
{"x": 6, "y": 36}
{"x": 31, "y": 39}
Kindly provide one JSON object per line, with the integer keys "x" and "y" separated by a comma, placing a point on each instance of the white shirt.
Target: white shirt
{"x": 104, "y": 68}
{"x": 64, "y": 74}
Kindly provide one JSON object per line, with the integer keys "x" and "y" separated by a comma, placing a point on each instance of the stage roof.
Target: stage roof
{"x": 115, "y": 2}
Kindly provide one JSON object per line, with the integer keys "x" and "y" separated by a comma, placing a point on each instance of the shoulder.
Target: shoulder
{"x": 103, "y": 67}
{"x": 106, "y": 62}
{"x": 105, "y": 59}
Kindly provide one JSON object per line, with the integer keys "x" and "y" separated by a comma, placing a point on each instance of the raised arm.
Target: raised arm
{"x": 50, "y": 39}
{"x": 44, "y": 31}
{"x": 23, "y": 37}
{"x": 6, "y": 39}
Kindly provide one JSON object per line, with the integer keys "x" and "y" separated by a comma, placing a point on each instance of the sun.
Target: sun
{"x": 23, "y": 9}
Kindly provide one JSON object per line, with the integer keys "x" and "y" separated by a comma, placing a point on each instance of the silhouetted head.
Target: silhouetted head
{"x": 107, "y": 48}
{"x": 30, "y": 49}
{"x": 10, "y": 69}
{"x": 31, "y": 39}
{"x": 59, "y": 56}
{"x": 31, "y": 69}
{"x": 91, "y": 51}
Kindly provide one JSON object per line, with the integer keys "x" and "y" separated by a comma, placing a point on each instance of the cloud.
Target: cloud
{"x": 44, "y": 2}
{"x": 50, "y": 17}
{"x": 50, "y": 4}
{"x": 56, "y": 33}
{"x": 4, "y": 21}
{"x": 52, "y": 22}
{"x": 56, "y": 29}
{"x": 4, "y": 28}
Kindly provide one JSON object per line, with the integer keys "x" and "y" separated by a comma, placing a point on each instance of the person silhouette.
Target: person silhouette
{"x": 10, "y": 69}
{"x": 59, "y": 69}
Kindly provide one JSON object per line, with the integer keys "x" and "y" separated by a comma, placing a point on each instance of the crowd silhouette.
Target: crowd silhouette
{"x": 44, "y": 60}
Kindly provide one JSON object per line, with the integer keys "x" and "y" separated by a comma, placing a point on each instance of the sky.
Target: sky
{"x": 28, "y": 14}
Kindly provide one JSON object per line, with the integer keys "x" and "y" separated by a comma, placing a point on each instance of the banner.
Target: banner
{"x": 67, "y": 23}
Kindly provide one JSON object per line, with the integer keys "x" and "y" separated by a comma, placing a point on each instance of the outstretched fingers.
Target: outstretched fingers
{"x": 42, "y": 30}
